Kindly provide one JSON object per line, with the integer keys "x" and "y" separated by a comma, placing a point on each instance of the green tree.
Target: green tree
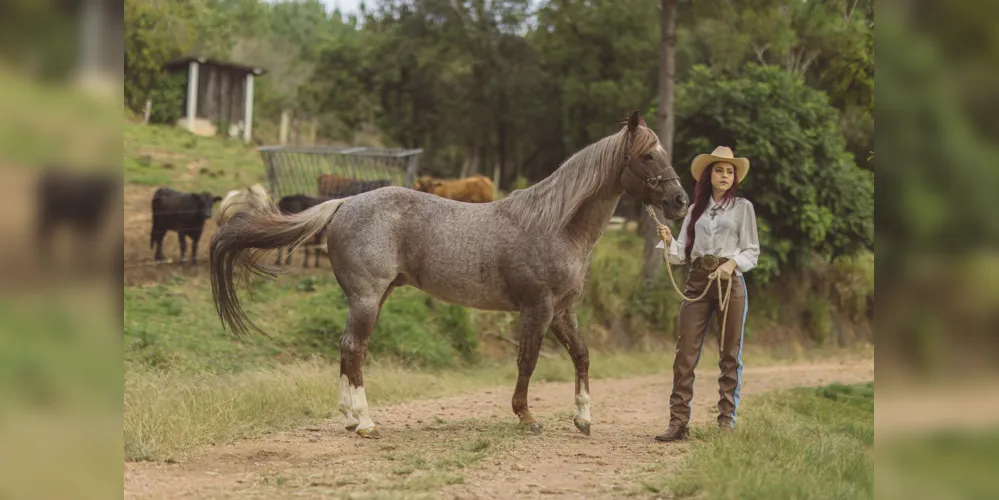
{"x": 602, "y": 58}
{"x": 805, "y": 186}
{"x": 829, "y": 42}
{"x": 159, "y": 30}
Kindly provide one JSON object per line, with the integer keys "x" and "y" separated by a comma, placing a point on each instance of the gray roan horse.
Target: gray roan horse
{"x": 528, "y": 252}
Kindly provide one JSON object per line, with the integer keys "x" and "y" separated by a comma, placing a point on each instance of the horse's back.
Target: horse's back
{"x": 456, "y": 251}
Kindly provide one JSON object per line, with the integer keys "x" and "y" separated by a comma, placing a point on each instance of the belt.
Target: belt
{"x": 708, "y": 262}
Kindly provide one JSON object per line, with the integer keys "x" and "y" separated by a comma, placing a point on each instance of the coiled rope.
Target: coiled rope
{"x": 713, "y": 277}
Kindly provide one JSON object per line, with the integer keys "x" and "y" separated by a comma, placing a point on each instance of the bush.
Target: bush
{"x": 807, "y": 191}
{"x": 168, "y": 97}
{"x": 818, "y": 319}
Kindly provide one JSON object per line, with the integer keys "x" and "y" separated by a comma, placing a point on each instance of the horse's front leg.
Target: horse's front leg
{"x": 534, "y": 322}
{"x": 566, "y": 330}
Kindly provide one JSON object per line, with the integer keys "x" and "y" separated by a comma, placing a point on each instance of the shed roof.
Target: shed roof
{"x": 184, "y": 62}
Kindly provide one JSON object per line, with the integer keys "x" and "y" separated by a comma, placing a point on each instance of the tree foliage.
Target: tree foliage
{"x": 803, "y": 183}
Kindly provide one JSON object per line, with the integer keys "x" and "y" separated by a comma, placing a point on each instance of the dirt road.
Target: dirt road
{"x": 468, "y": 446}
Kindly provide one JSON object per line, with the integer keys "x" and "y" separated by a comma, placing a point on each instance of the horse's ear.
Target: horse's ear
{"x": 633, "y": 121}
{"x": 641, "y": 121}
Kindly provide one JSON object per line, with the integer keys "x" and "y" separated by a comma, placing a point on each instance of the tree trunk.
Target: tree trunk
{"x": 667, "y": 81}
{"x": 471, "y": 165}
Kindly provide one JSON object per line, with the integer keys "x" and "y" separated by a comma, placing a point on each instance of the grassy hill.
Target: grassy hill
{"x": 158, "y": 155}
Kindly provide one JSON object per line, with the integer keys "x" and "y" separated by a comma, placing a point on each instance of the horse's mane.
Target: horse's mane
{"x": 550, "y": 204}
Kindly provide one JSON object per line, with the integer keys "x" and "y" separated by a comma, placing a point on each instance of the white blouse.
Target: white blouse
{"x": 728, "y": 232}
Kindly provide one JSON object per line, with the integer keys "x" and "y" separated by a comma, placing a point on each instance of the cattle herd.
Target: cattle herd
{"x": 186, "y": 213}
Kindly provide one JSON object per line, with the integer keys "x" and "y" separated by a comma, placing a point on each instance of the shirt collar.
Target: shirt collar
{"x": 712, "y": 203}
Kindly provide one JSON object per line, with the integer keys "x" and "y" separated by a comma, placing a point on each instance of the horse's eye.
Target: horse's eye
{"x": 648, "y": 157}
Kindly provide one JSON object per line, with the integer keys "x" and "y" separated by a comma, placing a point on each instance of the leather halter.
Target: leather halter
{"x": 668, "y": 174}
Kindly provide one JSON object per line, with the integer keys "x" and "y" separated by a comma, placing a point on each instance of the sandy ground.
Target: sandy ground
{"x": 326, "y": 461}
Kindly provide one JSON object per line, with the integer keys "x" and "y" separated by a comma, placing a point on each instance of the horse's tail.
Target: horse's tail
{"x": 243, "y": 240}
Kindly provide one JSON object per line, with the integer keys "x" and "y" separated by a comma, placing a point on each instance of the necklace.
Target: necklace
{"x": 714, "y": 211}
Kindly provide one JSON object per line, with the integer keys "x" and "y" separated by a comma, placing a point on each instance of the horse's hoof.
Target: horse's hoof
{"x": 350, "y": 427}
{"x": 582, "y": 425}
{"x": 369, "y": 433}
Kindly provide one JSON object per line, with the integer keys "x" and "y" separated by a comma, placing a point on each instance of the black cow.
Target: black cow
{"x": 183, "y": 213}
{"x": 293, "y": 204}
{"x": 80, "y": 200}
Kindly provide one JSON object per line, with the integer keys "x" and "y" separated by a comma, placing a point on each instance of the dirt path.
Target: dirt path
{"x": 468, "y": 446}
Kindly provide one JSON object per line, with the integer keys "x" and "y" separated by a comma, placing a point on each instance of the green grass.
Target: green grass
{"x": 43, "y": 123}
{"x": 171, "y": 156}
{"x": 950, "y": 463}
{"x": 60, "y": 399}
{"x": 173, "y": 326}
{"x": 801, "y": 443}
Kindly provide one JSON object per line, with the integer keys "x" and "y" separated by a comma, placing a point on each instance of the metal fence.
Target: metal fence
{"x": 296, "y": 169}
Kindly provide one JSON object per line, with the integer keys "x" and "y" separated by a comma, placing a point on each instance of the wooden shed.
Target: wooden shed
{"x": 219, "y": 96}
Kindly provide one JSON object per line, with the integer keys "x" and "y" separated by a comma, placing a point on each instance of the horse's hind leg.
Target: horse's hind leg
{"x": 534, "y": 322}
{"x": 361, "y": 320}
{"x": 566, "y": 330}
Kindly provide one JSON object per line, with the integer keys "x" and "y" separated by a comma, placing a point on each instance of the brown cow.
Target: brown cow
{"x": 478, "y": 189}
{"x": 332, "y": 183}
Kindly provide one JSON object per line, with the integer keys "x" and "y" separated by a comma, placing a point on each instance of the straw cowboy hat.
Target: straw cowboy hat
{"x": 721, "y": 153}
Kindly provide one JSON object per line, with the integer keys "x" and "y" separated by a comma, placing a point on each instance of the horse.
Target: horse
{"x": 527, "y": 253}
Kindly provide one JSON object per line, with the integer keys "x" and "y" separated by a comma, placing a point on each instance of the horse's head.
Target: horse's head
{"x": 648, "y": 175}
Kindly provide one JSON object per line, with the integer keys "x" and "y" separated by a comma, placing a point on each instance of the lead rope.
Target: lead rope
{"x": 722, "y": 303}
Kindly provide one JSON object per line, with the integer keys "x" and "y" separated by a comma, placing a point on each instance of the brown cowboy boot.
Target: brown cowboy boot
{"x": 673, "y": 433}
{"x": 725, "y": 425}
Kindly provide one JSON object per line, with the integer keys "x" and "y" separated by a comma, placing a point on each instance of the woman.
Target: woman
{"x": 721, "y": 237}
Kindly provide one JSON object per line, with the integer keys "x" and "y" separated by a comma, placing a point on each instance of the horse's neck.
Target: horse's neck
{"x": 592, "y": 218}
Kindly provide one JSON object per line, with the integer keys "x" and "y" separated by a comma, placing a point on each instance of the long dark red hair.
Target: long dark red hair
{"x": 702, "y": 192}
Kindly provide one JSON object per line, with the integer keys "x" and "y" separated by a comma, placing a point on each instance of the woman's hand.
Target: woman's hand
{"x": 665, "y": 234}
{"x": 725, "y": 270}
